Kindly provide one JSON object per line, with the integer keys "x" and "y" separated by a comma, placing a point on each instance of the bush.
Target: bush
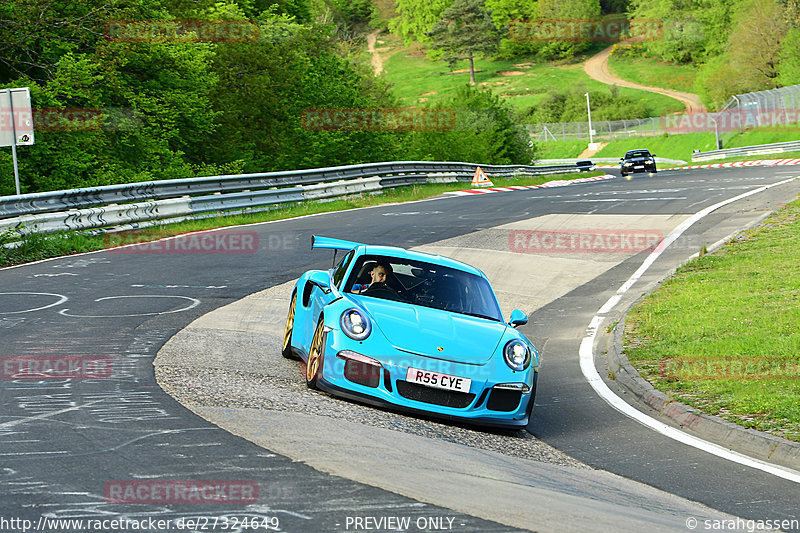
{"x": 486, "y": 131}
{"x": 569, "y": 105}
{"x": 629, "y": 50}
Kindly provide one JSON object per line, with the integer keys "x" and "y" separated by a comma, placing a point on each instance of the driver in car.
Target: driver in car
{"x": 378, "y": 274}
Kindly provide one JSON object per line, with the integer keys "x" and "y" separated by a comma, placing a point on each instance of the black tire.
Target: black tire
{"x": 286, "y": 350}
{"x": 316, "y": 355}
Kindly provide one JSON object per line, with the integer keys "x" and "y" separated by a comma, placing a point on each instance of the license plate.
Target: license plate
{"x": 437, "y": 380}
{"x": 639, "y": 166}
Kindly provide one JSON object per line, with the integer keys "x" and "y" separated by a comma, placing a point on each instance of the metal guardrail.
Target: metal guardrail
{"x": 131, "y": 203}
{"x": 746, "y": 151}
{"x": 606, "y": 161}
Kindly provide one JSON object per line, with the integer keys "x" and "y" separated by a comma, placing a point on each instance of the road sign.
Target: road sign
{"x": 16, "y": 122}
{"x": 481, "y": 179}
{"x": 16, "y": 117}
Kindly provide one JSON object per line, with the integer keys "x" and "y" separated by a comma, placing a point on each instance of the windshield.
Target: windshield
{"x": 637, "y": 153}
{"x": 424, "y": 284}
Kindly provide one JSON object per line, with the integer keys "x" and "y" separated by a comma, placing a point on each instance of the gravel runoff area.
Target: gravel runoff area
{"x": 231, "y": 358}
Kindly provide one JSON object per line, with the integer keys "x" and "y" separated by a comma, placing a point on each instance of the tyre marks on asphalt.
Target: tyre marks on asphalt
{"x": 62, "y": 441}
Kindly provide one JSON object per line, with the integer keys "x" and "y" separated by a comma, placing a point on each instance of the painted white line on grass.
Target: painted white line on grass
{"x": 589, "y": 371}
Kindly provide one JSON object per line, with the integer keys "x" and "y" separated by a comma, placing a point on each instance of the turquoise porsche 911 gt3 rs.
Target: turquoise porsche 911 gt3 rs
{"x": 413, "y": 331}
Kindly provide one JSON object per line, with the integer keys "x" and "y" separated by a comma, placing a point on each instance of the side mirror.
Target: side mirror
{"x": 518, "y": 318}
{"x": 321, "y": 280}
{"x": 652, "y": 155}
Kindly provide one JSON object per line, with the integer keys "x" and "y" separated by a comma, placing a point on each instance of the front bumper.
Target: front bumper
{"x": 491, "y": 400}
{"x": 638, "y": 167}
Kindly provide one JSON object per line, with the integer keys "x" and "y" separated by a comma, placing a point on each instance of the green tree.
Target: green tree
{"x": 569, "y": 9}
{"x": 718, "y": 80}
{"x": 755, "y": 43}
{"x": 789, "y": 68}
{"x": 175, "y": 110}
{"x": 486, "y": 131}
{"x": 465, "y": 29}
{"x": 693, "y": 31}
{"x": 416, "y": 17}
{"x": 752, "y": 59}
{"x": 566, "y": 10}
{"x": 152, "y": 98}
{"x": 569, "y": 105}
{"x": 505, "y": 11}
{"x": 264, "y": 89}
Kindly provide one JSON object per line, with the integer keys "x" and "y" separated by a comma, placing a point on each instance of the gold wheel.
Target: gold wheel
{"x": 315, "y": 355}
{"x": 287, "y": 334}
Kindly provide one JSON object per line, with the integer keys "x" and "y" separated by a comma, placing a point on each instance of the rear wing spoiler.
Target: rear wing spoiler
{"x": 331, "y": 243}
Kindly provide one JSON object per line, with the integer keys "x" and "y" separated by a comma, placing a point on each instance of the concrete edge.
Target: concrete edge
{"x": 751, "y": 442}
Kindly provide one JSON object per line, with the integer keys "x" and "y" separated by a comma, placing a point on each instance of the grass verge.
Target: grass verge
{"x": 416, "y": 79}
{"x": 722, "y": 334}
{"x": 556, "y": 150}
{"x": 669, "y": 146}
{"x": 35, "y": 247}
{"x": 651, "y": 72}
{"x": 675, "y": 146}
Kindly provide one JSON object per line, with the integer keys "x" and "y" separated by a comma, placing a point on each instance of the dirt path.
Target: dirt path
{"x": 377, "y": 61}
{"x": 590, "y": 152}
{"x": 597, "y": 68}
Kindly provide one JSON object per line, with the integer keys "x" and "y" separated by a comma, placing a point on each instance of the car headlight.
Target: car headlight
{"x": 355, "y": 324}
{"x": 517, "y": 355}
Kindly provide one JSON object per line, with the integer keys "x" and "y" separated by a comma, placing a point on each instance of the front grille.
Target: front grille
{"x": 503, "y": 400}
{"x": 445, "y": 398}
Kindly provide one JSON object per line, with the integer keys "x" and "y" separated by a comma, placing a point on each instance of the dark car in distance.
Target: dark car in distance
{"x": 637, "y": 161}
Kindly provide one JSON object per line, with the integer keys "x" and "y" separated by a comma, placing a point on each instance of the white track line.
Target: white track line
{"x": 593, "y": 377}
{"x": 48, "y": 414}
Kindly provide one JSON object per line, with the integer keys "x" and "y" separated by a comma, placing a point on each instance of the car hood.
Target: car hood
{"x": 424, "y": 331}
{"x": 638, "y": 160}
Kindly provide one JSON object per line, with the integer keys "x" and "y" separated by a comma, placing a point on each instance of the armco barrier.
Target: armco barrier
{"x": 131, "y": 203}
{"x": 747, "y": 151}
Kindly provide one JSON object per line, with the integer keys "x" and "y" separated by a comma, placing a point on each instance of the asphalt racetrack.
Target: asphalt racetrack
{"x": 238, "y": 418}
